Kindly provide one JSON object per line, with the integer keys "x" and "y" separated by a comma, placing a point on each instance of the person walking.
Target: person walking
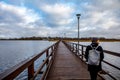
{"x": 94, "y": 56}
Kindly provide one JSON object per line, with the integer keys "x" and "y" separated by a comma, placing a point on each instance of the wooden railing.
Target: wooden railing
{"x": 13, "y": 72}
{"x": 81, "y": 54}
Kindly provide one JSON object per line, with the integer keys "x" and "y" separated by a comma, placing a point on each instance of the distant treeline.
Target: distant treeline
{"x": 63, "y": 38}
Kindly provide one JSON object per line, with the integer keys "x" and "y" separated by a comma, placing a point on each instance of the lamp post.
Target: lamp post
{"x": 78, "y": 17}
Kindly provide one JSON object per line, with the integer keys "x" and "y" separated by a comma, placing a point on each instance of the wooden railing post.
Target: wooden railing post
{"x": 82, "y": 51}
{"x": 52, "y": 52}
{"x": 73, "y": 46}
{"x": 53, "y": 47}
{"x": 76, "y": 48}
{"x": 31, "y": 71}
{"x": 47, "y": 54}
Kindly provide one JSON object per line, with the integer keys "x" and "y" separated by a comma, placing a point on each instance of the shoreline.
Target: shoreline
{"x": 58, "y": 40}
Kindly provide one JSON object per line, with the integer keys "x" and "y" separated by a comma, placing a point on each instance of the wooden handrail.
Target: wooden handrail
{"x": 112, "y": 53}
{"x": 13, "y": 72}
{"x": 73, "y": 47}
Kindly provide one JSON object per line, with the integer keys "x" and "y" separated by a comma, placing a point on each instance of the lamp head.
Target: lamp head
{"x": 78, "y": 15}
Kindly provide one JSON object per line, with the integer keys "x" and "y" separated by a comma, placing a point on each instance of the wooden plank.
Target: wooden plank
{"x": 66, "y": 66}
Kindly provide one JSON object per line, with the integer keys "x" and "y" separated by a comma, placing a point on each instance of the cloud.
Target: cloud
{"x": 57, "y": 14}
{"x": 101, "y": 17}
{"x": 17, "y": 14}
{"x": 57, "y": 9}
{"x": 15, "y": 19}
{"x": 56, "y": 18}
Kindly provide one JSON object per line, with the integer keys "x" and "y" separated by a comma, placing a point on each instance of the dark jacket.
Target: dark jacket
{"x": 94, "y": 67}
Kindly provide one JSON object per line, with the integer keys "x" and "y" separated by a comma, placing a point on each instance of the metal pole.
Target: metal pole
{"x": 78, "y": 16}
{"x": 78, "y": 35}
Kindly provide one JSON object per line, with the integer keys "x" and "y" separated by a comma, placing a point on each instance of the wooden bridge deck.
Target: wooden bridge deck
{"x": 67, "y": 66}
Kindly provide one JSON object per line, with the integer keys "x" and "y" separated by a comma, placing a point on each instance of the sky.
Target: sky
{"x": 57, "y": 18}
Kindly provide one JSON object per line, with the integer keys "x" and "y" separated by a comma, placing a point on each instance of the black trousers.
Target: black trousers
{"x": 93, "y": 75}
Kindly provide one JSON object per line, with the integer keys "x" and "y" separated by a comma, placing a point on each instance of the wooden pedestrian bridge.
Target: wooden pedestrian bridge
{"x": 63, "y": 61}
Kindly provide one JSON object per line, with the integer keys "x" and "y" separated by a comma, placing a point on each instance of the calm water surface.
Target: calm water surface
{"x": 111, "y": 46}
{"x": 13, "y": 52}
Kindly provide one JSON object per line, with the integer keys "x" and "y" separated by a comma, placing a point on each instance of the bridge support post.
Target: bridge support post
{"x": 31, "y": 71}
{"x": 76, "y": 49}
{"x": 47, "y": 54}
{"x": 82, "y": 52}
{"x": 73, "y": 47}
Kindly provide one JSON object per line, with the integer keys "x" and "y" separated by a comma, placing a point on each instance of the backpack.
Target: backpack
{"x": 94, "y": 56}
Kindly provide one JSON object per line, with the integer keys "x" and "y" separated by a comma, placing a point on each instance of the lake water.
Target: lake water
{"x": 13, "y": 52}
{"x": 111, "y": 46}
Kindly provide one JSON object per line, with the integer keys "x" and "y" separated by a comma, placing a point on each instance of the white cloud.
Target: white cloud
{"x": 58, "y": 14}
{"x": 16, "y": 19}
{"x": 13, "y": 13}
{"x": 58, "y": 10}
{"x": 98, "y": 18}
{"x": 101, "y": 17}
